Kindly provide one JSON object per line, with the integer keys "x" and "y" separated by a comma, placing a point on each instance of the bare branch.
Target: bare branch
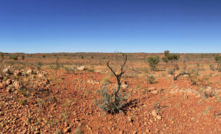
{"x": 122, "y": 67}
{"x": 111, "y": 69}
{"x": 175, "y": 77}
{"x": 118, "y": 76}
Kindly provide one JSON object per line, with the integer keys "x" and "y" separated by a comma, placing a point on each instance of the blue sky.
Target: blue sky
{"x": 40, "y": 26}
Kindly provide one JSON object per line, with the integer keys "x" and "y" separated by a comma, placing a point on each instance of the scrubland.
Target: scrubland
{"x": 56, "y": 93}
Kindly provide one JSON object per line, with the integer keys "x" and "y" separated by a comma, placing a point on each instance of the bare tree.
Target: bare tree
{"x": 118, "y": 76}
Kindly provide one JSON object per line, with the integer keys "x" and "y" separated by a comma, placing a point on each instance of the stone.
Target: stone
{"x": 40, "y": 75}
{"x": 158, "y": 117}
{"x": 2, "y": 85}
{"x": 36, "y": 132}
{"x": 6, "y": 71}
{"x": 68, "y": 129}
{"x": 151, "y": 89}
{"x": 9, "y": 89}
{"x": 124, "y": 86}
{"x": 81, "y": 68}
{"x": 8, "y": 82}
{"x": 98, "y": 71}
{"x": 66, "y": 124}
{"x": 17, "y": 85}
{"x": 29, "y": 72}
{"x": 154, "y": 113}
{"x": 17, "y": 73}
{"x": 154, "y": 92}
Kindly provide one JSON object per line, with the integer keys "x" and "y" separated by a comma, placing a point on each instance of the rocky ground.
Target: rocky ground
{"x": 61, "y": 101}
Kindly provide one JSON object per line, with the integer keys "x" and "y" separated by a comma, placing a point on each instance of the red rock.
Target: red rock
{"x": 2, "y": 85}
{"x": 8, "y": 82}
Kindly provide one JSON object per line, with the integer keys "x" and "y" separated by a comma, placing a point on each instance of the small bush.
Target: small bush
{"x": 150, "y": 79}
{"x": 176, "y": 67}
{"x": 171, "y": 71}
{"x": 58, "y": 132}
{"x": 171, "y": 57}
{"x": 2, "y": 55}
{"x": 24, "y": 92}
{"x": 78, "y": 131}
{"x": 105, "y": 81}
{"x": 39, "y": 63}
{"x": 13, "y": 57}
{"x": 67, "y": 70}
{"x": 217, "y": 58}
{"x": 165, "y": 59}
{"x": 196, "y": 72}
{"x": 23, "y": 57}
{"x": 153, "y": 61}
{"x": 23, "y": 102}
{"x": 111, "y": 103}
{"x": 91, "y": 70}
{"x": 212, "y": 67}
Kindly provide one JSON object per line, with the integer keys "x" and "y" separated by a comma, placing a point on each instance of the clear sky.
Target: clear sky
{"x": 40, "y": 26}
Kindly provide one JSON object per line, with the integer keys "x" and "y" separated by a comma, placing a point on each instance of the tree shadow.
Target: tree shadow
{"x": 125, "y": 108}
{"x": 130, "y": 104}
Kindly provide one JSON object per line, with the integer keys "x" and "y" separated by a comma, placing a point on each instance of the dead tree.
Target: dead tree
{"x": 118, "y": 76}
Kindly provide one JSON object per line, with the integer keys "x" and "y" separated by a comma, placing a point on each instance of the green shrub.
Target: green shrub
{"x": 2, "y": 55}
{"x": 24, "y": 92}
{"x": 105, "y": 80}
{"x": 171, "y": 71}
{"x": 176, "y": 67}
{"x": 58, "y": 132}
{"x": 150, "y": 79}
{"x": 40, "y": 63}
{"x": 78, "y": 131}
{"x": 153, "y": 61}
{"x": 165, "y": 59}
{"x": 111, "y": 103}
{"x": 212, "y": 67}
{"x": 67, "y": 70}
{"x": 217, "y": 58}
{"x": 13, "y": 57}
{"x": 23, "y": 57}
{"x": 23, "y": 102}
{"x": 91, "y": 70}
{"x": 171, "y": 57}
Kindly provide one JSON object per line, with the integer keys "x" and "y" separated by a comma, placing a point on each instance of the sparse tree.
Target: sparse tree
{"x": 153, "y": 61}
{"x": 171, "y": 57}
{"x": 217, "y": 58}
{"x": 166, "y": 53}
